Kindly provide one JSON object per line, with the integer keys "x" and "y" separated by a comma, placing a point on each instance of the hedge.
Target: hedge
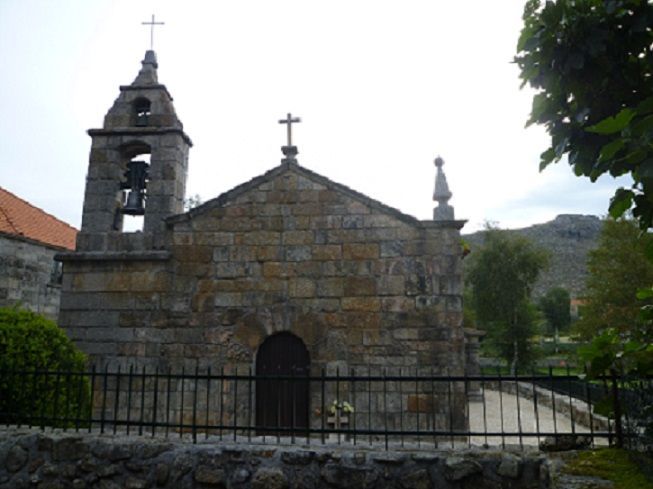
{"x": 41, "y": 372}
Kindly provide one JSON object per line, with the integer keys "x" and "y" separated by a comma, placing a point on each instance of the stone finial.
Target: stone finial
{"x": 289, "y": 153}
{"x": 150, "y": 58}
{"x": 441, "y": 194}
{"x": 147, "y": 75}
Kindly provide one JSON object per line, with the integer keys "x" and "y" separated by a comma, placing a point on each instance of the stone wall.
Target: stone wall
{"x": 55, "y": 460}
{"x": 361, "y": 285}
{"x": 358, "y": 286}
{"x": 26, "y": 276}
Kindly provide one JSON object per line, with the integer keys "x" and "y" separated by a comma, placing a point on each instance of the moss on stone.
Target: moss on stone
{"x": 616, "y": 465}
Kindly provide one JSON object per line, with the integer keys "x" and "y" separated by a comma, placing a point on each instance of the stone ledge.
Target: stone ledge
{"x": 455, "y": 224}
{"x": 141, "y": 131}
{"x": 105, "y": 256}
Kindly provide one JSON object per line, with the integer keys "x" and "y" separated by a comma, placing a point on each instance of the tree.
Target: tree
{"x": 30, "y": 343}
{"x": 591, "y": 62}
{"x": 618, "y": 268}
{"x": 555, "y": 306}
{"x": 501, "y": 276}
{"x": 192, "y": 201}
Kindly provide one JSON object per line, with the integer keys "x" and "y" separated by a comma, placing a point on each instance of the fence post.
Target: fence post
{"x": 155, "y": 402}
{"x": 616, "y": 405}
{"x": 195, "y": 393}
{"x": 116, "y": 404}
{"x": 208, "y": 401}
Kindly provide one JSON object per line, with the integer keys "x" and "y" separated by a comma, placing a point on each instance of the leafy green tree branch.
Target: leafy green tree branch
{"x": 591, "y": 63}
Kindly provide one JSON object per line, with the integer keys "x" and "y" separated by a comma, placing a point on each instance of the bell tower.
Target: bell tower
{"x": 137, "y": 166}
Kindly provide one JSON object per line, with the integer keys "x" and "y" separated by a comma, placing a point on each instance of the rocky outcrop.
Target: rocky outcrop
{"x": 567, "y": 239}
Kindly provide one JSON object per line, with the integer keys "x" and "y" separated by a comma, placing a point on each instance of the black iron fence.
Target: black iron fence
{"x": 388, "y": 407}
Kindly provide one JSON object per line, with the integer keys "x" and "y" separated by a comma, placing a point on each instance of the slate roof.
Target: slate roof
{"x": 20, "y": 218}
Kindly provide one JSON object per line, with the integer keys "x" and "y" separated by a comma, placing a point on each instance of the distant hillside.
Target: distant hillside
{"x": 568, "y": 238}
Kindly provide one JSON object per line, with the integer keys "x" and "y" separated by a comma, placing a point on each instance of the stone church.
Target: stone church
{"x": 288, "y": 272}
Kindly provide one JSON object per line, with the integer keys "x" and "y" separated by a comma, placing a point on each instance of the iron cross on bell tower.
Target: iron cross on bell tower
{"x": 152, "y": 23}
{"x": 289, "y": 151}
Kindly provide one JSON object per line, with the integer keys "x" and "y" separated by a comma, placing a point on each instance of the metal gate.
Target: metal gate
{"x": 282, "y": 402}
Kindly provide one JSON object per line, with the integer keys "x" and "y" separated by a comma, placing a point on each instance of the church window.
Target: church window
{"x": 142, "y": 111}
{"x": 56, "y": 274}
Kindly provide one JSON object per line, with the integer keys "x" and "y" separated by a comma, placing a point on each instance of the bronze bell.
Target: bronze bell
{"x": 142, "y": 118}
{"x": 135, "y": 205}
{"x": 135, "y": 182}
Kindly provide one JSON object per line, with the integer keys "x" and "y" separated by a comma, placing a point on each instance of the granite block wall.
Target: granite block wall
{"x": 28, "y": 276}
{"x": 362, "y": 285}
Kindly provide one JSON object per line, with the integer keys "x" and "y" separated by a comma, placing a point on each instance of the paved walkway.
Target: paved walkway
{"x": 492, "y": 419}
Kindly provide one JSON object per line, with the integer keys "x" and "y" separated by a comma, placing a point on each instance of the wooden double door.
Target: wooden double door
{"x": 282, "y": 387}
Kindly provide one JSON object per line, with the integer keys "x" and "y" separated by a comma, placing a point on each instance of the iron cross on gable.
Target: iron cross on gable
{"x": 290, "y": 121}
{"x": 152, "y": 23}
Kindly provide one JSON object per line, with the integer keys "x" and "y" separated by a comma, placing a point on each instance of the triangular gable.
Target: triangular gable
{"x": 231, "y": 195}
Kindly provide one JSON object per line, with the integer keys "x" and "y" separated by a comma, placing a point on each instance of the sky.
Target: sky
{"x": 382, "y": 88}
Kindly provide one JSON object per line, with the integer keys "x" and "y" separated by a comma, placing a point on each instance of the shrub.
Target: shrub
{"x": 41, "y": 379}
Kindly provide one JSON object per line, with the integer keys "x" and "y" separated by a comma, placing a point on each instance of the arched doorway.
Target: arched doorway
{"x": 282, "y": 402}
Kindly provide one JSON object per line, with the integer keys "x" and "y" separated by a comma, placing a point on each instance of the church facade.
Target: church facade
{"x": 288, "y": 273}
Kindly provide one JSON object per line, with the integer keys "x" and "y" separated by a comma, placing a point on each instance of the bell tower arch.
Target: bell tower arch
{"x": 137, "y": 165}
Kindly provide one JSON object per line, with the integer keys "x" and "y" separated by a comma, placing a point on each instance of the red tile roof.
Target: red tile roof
{"x": 20, "y": 218}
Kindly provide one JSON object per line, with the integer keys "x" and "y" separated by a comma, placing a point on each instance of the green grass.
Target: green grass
{"x": 549, "y": 348}
{"x": 621, "y": 467}
{"x": 559, "y": 371}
